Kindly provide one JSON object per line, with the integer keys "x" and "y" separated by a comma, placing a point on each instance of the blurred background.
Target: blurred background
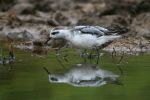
{"x": 20, "y": 15}
{"x": 134, "y": 14}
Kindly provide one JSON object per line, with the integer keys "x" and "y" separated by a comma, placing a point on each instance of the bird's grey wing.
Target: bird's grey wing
{"x": 116, "y": 29}
{"x": 94, "y": 30}
{"x": 100, "y": 31}
{"x": 107, "y": 31}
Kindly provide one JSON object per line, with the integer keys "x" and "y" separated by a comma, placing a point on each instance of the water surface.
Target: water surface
{"x": 28, "y": 81}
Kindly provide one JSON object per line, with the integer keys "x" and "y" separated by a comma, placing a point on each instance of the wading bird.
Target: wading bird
{"x": 88, "y": 37}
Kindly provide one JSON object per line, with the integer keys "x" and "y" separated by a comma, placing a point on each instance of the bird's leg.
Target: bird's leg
{"x": 84, "y": 55}
{"x": 120, "y": 69}
{"x": 10, "y": 66}
{"x": 121, "y": 58}
{"x": 66, "y": 54}
{"x": 91, "y": 55}
{"x": 11, "y": 58}
{"x": 3, "y": 60}
{"x": 1, "y": 52}
{"x": 113, "y": 54}
{"x": 57, "y": 52}
{"x": 58, "y": 58}
{"x": 97, "y": 49}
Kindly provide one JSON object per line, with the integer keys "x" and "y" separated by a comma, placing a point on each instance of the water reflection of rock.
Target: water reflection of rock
{"x": 8, "y": 60}
{"x": 84, "y": 75}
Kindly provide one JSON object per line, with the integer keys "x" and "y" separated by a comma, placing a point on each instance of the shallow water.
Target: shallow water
{"x": 28, "y": 81}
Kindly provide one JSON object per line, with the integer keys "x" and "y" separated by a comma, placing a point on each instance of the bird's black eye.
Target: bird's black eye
{"x": 53, "y": 33}
{"x": 54, "y": 79}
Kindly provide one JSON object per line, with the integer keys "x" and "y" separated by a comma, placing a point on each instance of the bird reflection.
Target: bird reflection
{"x": 84, "y": 75}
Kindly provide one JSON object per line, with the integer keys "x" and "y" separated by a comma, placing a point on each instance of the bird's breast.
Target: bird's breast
{"x": 83, "y": 41}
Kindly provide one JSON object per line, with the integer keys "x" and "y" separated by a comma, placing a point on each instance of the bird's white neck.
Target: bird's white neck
{"x": 68, "y": 36}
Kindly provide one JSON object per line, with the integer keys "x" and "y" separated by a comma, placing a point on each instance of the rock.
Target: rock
{"x": 38, "y": 43}
{"x": 87, "y": 7}
{"x": 52, "y": 22}
{"x": 141, "y": 25}
{"x": 23, "y": 8}
{"x": 10, "y": 19}
{"x": 61, "y": 19}
{"x": 32, "y": 19}
{"x": 1, "y": 28}
{"x": 39, "y": 48}
{"x": 20, "y": 36}
{"x": 106, "y": 20}
{"x": 133, "y": 14}
{"x": 5, "y": 5}
{"x": 143, "y": 6}
{"x": 44, "y": 34}
{"x": 130, "y": 45}
{"x": 86, "y": 21}
{"x": 115, "y": 19}
{"x": 61, "y": 5}
{"x": 91, "y": 9}
{"x": 44, "y": 5}
{"x": 57, "y": 43}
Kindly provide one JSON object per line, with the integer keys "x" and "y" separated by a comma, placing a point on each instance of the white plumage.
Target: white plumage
{"x": 86, "y": 36}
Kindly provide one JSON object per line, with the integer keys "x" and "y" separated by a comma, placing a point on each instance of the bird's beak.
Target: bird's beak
{"x": 47, "y": 40}
{"x": 46, "y": 70}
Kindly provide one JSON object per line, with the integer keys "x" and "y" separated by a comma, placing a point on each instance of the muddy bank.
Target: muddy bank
{"x": 30, "y": 20}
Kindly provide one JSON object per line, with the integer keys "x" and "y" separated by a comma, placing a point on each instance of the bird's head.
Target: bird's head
{"x": 60, "y": 33}
{"x": 53, "y": 78}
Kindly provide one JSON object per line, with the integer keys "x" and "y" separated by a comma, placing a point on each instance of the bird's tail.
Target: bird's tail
{"x": 109, "y": 38}
{"x": 113, "y": 81}
{"x": 106, "y": 40}
{"x": 117, "y": 29}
